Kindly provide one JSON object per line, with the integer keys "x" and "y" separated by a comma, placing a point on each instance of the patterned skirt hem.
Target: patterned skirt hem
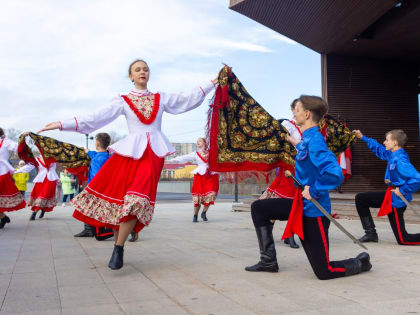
{"x": 20, "y": 206}
{"x": 204, "y": 199}
{"x": 90, "y": 206}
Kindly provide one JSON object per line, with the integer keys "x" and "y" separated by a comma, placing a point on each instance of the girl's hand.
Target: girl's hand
{"x": 215, "y": 81}
{"x": 51, "y": 126}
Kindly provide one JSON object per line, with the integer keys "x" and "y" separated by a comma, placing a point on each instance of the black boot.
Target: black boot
{"x": 116, "y": 261}
{"x": 291, "y": 242}
{"x": 88, "y": 231}
{"x": 42, "y": 214}
{"x": 353, "y": 266}
{"x": 268, "y": 260}
{"x": 33, "y": 215}
{"x": 3, "y": 221}
{"x": 203, "y": 216}
{"x": 365, "y": 260}
{"x": 134, "y": 236}
{"x": 370, "y": 232}
{"x": 195, "y": 218}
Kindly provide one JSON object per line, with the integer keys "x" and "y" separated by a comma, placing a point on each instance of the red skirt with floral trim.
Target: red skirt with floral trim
{"x": 122, "y": 190}
{"x": 204, "y": 189}
{"x": 10, "y": 197}
{"x": 281, "y": 187}
{"x": 43, "y": 196}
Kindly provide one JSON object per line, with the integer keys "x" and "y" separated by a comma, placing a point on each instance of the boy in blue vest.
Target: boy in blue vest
{"x": 403, "y": 180}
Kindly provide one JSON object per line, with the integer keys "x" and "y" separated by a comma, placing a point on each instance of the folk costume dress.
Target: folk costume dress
{"x": 10, "y": 197}
{"x": 43, "y": 196}
{"x": 283, "y": 187}
{"x": 125, "y": 187}
{"x": 205, "y": 183}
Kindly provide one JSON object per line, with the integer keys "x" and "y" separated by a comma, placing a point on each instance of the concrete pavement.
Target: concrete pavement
{"x": 180, "y": 267}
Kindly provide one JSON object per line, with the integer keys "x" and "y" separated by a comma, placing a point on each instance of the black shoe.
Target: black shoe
{"x": 42, "y": 214}
{"x": 268, "y": 260}
{"x": 291, "y": 242}
{"x": 365, "y": 260}
{"x": 203, "y": 216}
{"x": 33, "y": 215}
{"x": 353, "y": 266}
{"x": 195, "y": 218}
{"x": 134, "y": 236}
{"x": 369, "y": 237}
{"x": 264, "y": 266}
{"x": 85, "y": 233}
{"x": 370, "y": 232}
{"x": 116, "y": 261}
{"x": 3, "y": 221}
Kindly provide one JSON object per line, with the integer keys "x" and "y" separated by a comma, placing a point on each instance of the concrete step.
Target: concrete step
{"x": 240, "y": 207}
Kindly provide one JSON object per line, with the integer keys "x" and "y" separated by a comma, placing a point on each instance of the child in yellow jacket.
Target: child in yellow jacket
{"x": 21, "y": 179}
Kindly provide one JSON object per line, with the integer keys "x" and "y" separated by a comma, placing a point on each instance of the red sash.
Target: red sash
{"x": 386, "y": 206}
{"x": 294, "y": 224}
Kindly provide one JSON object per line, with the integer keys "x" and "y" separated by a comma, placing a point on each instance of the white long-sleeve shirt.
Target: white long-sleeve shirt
{"x": 6, "y": 146}
{"x": 140, "y": 134}
{"x": 43, "y": 171}
{"x": 195, "y": 158}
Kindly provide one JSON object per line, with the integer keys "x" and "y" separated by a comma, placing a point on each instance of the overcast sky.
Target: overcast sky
{"x": 60, "y": 59}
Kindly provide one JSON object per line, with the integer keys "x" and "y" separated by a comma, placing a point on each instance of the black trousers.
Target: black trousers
{"x": 367, "y": 200}
{"x": 315, "y": 232}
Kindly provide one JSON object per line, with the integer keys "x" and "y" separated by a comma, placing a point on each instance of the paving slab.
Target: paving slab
{"x": 180, "y": 267}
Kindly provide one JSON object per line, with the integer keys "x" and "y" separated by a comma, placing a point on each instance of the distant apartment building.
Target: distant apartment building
{"x": 171, "y": 171}
{"x": 183, "y": 148}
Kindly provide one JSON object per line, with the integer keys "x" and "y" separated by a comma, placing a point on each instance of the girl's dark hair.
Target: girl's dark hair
{"x": 1, "y": 132}
{"x": 131, "y": 64}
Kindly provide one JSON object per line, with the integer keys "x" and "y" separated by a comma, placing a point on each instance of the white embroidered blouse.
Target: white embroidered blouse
{"x": 143, "y": 112}
{"x": 6, "y": 146}
{"x": 195, "y": 158}
{"x": 43, "y": 171}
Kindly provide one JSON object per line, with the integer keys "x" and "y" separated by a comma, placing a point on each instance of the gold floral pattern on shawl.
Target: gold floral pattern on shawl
{"x": 246, "y": 131}
{"x": 339, "y": 136}
{"x": 65, "y": 153}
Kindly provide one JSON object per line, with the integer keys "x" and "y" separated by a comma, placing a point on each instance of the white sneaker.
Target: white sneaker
{"x": 64, "y": 204}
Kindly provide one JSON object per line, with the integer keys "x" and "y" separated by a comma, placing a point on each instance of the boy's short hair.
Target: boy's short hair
{"x": 315, "y": 104}
{"x": 398, "y": 135}
{"x": 104, "y": 139}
